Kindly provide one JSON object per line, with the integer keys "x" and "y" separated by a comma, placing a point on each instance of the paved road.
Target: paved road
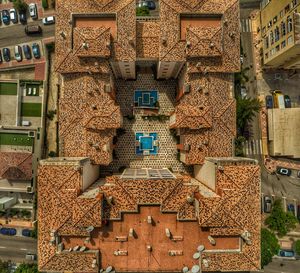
{"x": 15, "y": 248}
{"x": 15, "y": 34}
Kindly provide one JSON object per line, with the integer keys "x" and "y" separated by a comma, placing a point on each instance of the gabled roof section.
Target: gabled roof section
{"x": 15, "y": 166}
{"x": 97, "y": 39}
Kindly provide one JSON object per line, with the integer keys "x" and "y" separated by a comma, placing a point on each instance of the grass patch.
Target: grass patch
{"x": 15, "y": 139}
{"x": 8, "y": 88}
{"x": 31, "y": 110}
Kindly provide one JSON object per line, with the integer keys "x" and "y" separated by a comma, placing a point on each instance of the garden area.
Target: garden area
{"x": 31, "y": 110}
{"x": 8, "y": 88}
{"x": 15, "y": 139}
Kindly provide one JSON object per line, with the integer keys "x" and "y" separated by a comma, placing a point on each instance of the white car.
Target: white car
{"x": 18, "y": 53}
{"x": 49, "y": 20}
{"x": 33, "y": 11}
{"x": 13, "y": 16}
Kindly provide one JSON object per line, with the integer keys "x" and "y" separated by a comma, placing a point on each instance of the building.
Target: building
{"x": 280, "y": 32}
{"x": 146, "y": 181}
{"x": 283, "y": 127}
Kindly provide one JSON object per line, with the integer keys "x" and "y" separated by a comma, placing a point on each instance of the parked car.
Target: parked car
{"x": 33, "y": 11}
{"x": 36, "y": 51}
{"x": 49, "y": 20}
{"x": 287, "y": 101}
{"x": 5, "y": 17}
{"x": 291, "y": 208}
{"x": 283, "y": 171}
{"x": 23, "y": 17}
{"x": 33, "y": 29}
{"x": 298, "y": 174}
{"x": 269, "y": 102}
{"x": 151, "y": 5}
{"x": 286, "y": 253}
{"x": 8, "y": 231}
{"x": 13, "y": 16}
{"x": 27, "y": 52}
{"x": 1, "y": 60}
{"x": 18, "y": 53}
{"x": 30, "y": 257}
{"x": 26, "y": 232}
{"x": 267, "y": 204}
{"x": 298, "y": 212}
{"x": 6, "y": 54}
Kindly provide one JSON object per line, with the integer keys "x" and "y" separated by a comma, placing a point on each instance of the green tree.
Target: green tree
{"x": 44, "y": 4}
{"x": 280, "y": 221}
{"x": 142, "y": 11}
{"x": 27, "y": 268}
{"x": 269, "y": 246}
{"x": 239, "y": 144}
{"x": 297, "y": 247}
{"x": 20, "y": 5}
{"x": 246, "y": 108}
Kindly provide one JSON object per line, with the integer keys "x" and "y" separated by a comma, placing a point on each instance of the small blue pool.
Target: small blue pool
{"x": 146, "y": 143}
{"x": 146, "y": 98}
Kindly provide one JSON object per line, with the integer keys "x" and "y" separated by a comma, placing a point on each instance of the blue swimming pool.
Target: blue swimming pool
{"x": 146, "y": 143}
{"x": 146, "y": 98}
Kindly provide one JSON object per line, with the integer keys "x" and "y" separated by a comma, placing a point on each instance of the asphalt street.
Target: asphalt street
{"x": 15, "y": 34}
{"x": 15, "y": 248}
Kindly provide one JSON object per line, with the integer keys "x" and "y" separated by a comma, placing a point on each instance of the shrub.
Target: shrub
{"x": 269, "y": 246}
{"x": 44, "y": 4}
{"x": 297, "y": 247}
{"x": 20, "y": 5}
{"x": 142, "y": 11}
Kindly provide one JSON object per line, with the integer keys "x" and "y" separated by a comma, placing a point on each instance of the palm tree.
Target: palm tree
{"x": 246, "y": 108}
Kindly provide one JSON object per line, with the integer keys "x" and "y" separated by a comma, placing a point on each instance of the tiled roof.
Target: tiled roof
{"x": 15, "y": 166}
{"x": 230, "y": 213}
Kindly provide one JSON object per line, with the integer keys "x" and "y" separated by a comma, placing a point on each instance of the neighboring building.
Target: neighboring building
{"x": 280, "y": 30}
{"x": 283, "y": 128}
{"x": 146, "y": 181}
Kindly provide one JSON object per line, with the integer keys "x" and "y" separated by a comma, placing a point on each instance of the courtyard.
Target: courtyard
{"x": 158, "y": 148}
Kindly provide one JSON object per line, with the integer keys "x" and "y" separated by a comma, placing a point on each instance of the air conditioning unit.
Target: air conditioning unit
{"x": 107, "y": 88}
{"x": 29, "y": 189}
{"x": 186, "y": 88}
{"x": 277, "y": 76}
{"x": 31, "y": 134}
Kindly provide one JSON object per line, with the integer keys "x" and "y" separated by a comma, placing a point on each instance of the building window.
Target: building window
{"x": 283, "y": 28}
{"x": 270, "y": 24}
{"x": 289, "y": 24}
{"x": 277, "y": 34}
{"x": 277, "y": 48}
{"x": 271, "y": 37}
{"x": 274, "y": 19}
{"x": 267, "y": 42}
{"x": 266, "y": 55}
{"x": 264, "y": 30}
{"x": 294, "y": 3}
{"x": 281, "y": 13}
{"x": 283, "y": 44}
{"x": 290, "y": 40}
{"x": 287, "y": 8}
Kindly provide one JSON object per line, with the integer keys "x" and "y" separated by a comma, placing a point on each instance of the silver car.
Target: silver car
{"x": 33, "y": 11}
{"x": 18, "y": 53}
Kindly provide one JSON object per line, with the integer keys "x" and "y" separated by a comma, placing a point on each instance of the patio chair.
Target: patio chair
{"x": 29, "y": 91}
{"x": 34, "y": 91}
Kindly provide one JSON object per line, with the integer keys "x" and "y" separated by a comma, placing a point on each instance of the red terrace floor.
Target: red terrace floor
{"x": 154, "y": 235}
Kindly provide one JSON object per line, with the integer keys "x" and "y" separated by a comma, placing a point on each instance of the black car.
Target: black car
{"x": 5, "y": 17}
{"x": 1, "y": 60}
{"x": 283, "y": 171}
{"x": 23, "y": 17}
{"x": 6, "y": 54}
{"x": 27, "y": 52}
{"x": 36, "y": 51}
{"x": 267, "y": 204}
{"x": 287, "y": 101}
{"x": 269, "y": 102}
